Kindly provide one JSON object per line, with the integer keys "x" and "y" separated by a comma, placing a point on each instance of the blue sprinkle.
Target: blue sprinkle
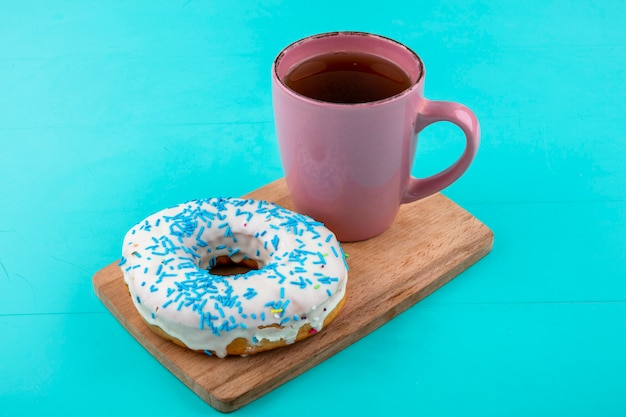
{"x": 301, "y": 283}
{"x": 345, "y": 263}
{"x": 328, "y": 292}
{"x": 165, "y": 275}
{"x": 167, "y": 303}
{"x": 282, "y": 292}
{"x": 187, "y": 265}
{"x": 281, "y": 276}
{"x": 250, "y": 293}
{"x": 324, "y": 280}
{"x": 322, "y": 260}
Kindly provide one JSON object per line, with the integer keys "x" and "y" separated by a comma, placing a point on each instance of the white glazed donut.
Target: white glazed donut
{"x": 299, "y": 285}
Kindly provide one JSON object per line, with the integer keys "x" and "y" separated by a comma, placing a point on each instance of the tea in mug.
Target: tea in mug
{"x": 347, "y": 77}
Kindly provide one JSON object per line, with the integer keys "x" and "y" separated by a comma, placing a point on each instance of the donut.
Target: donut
{"x": 295, "y": 285}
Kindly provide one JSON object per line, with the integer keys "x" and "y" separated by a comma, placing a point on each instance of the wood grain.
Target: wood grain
{"x": 431, "y": 242}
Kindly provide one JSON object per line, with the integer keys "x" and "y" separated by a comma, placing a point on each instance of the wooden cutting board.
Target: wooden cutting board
{"x": 431, "y": 242}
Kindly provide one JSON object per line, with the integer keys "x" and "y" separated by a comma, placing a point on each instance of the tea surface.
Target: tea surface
{"x": 347, "y": 77}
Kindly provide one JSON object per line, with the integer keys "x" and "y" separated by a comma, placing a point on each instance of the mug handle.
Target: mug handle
{"x": 438, "y": 111}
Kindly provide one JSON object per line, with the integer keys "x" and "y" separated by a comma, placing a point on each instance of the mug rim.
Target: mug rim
{"x": 414, "y": 84}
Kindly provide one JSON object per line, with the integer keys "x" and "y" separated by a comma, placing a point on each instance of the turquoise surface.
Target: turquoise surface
{"x": 111, "y": 110}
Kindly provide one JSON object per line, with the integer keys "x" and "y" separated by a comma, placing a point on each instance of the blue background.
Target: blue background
{"x": 110, "y": 111}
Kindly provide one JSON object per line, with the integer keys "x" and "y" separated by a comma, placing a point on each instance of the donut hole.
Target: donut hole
{"x": 225, "y": 266}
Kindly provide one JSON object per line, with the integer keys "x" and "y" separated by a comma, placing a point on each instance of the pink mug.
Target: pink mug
{"x": 347, "y": 161}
